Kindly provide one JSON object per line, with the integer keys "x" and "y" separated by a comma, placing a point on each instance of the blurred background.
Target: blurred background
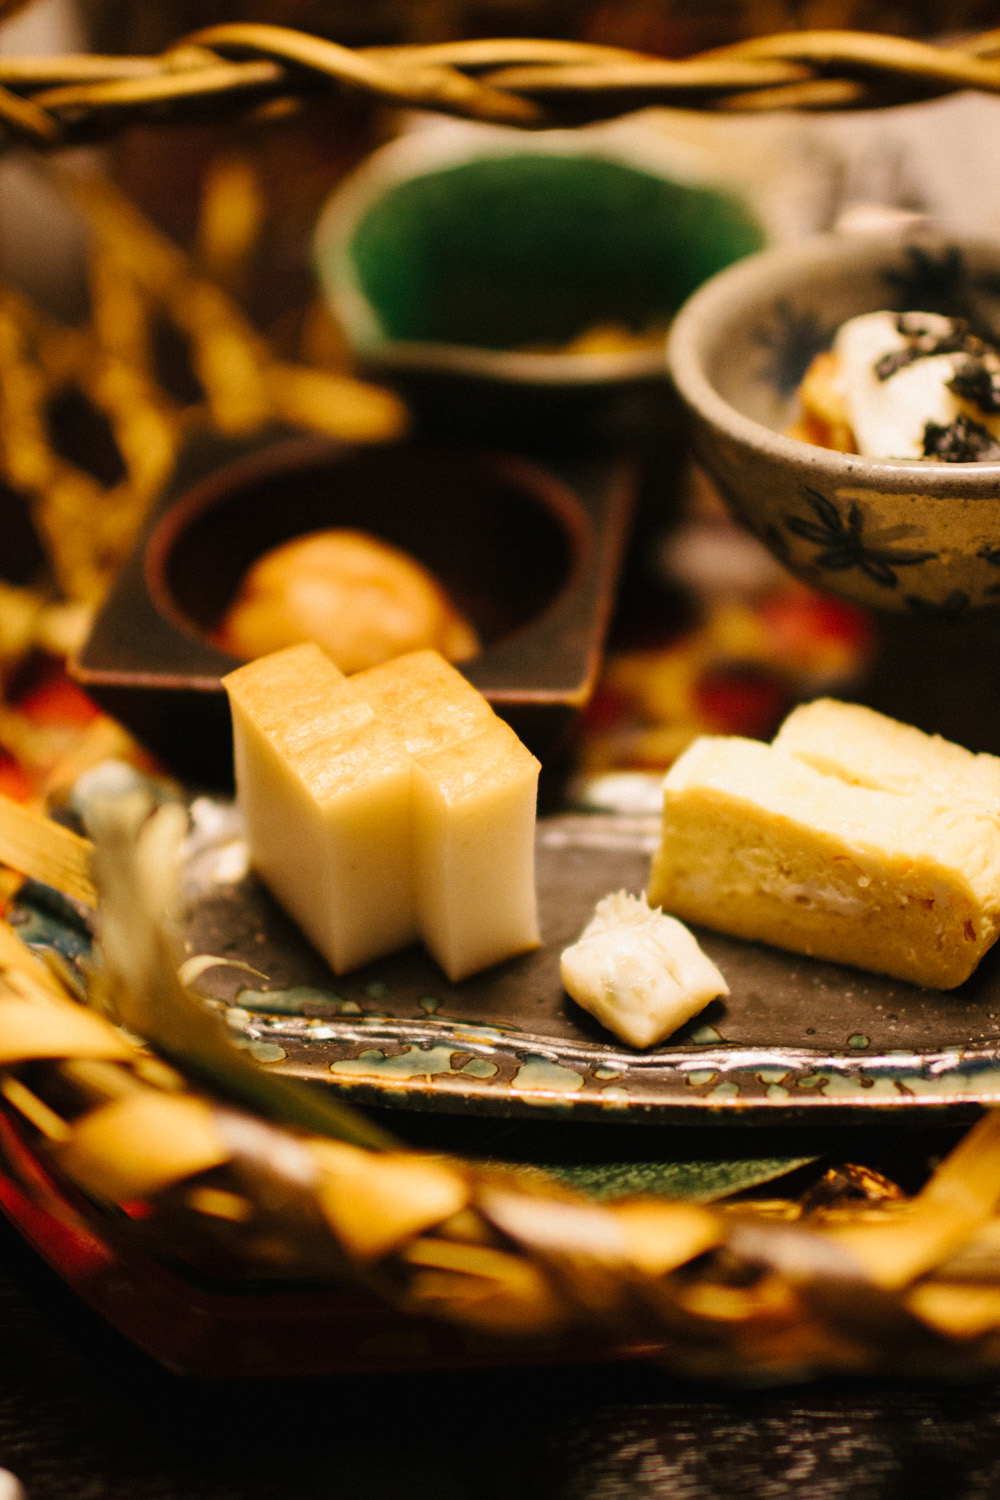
{"x": 105, "y": 371}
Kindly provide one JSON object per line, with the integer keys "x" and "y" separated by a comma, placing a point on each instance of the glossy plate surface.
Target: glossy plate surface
{"x": 796, "y": 1038}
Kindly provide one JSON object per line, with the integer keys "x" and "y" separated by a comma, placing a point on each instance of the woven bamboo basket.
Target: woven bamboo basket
{"x": 127, "y": 1107}
{"x": 262, "y": 70}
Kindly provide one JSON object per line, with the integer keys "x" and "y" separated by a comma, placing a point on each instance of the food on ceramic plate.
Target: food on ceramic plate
{"x": 904, "y": 385}
{"x": 850, "y": 837}
{"x": 385, "y": 807}
{"x": 359, "y": 598}
{"x": 473, "y": 799}
{"x": 639, "y": 972}
{"x": 324, "y": 788}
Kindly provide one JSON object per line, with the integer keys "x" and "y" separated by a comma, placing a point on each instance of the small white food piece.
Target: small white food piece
{"x": 324, "y": 787}
{"x": 888, "y": 416}
{"x": 474, "y": 793}
{"x": 639, "y": 972}
{"x": 760, "y": 843}
{"x": 888, "y": 412}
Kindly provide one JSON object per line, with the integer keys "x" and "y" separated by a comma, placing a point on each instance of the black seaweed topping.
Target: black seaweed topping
{"x": 924, "y": 343}
{"x": 932, "y": 280}
{"x": 937, "y": 279}
{"x": 974, "y": 383}
{"x": 960, "y": 442}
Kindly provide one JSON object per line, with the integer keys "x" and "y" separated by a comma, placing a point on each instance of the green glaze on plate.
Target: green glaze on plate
{"x": 699, "y": 1164}
{"x": 694, "y": 1181}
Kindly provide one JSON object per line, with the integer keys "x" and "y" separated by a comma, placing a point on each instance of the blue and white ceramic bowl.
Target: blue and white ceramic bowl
{"x": 917, "y": 536}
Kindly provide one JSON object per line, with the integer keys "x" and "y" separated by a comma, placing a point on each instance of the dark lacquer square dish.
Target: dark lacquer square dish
{"x": 529, "y": 549}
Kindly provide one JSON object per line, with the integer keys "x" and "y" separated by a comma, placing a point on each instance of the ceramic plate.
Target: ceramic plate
{"x": 796, "y": 1038}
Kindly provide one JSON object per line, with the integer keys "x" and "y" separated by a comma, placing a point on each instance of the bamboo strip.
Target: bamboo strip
{"x": 37, "y": 847}
{"x": 241, "y": 67}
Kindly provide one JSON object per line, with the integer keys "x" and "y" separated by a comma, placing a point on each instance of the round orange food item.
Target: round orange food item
{"x": 360, "y": 599}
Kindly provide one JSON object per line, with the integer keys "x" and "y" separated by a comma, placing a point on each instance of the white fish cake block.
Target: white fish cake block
{"x": 474, "y": 806}
{"x": 475, "y": 790}
{"x": 758, "y": 843}
{"x": 424, "y": 700}
{"x": 324, "y": 786}
{"x": 642, "y": 974}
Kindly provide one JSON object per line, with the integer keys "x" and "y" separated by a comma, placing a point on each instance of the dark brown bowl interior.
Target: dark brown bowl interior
{"x": 501, "y": 536}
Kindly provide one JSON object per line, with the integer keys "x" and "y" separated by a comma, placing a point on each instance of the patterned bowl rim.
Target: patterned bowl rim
{"x": 776, "y": 272}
